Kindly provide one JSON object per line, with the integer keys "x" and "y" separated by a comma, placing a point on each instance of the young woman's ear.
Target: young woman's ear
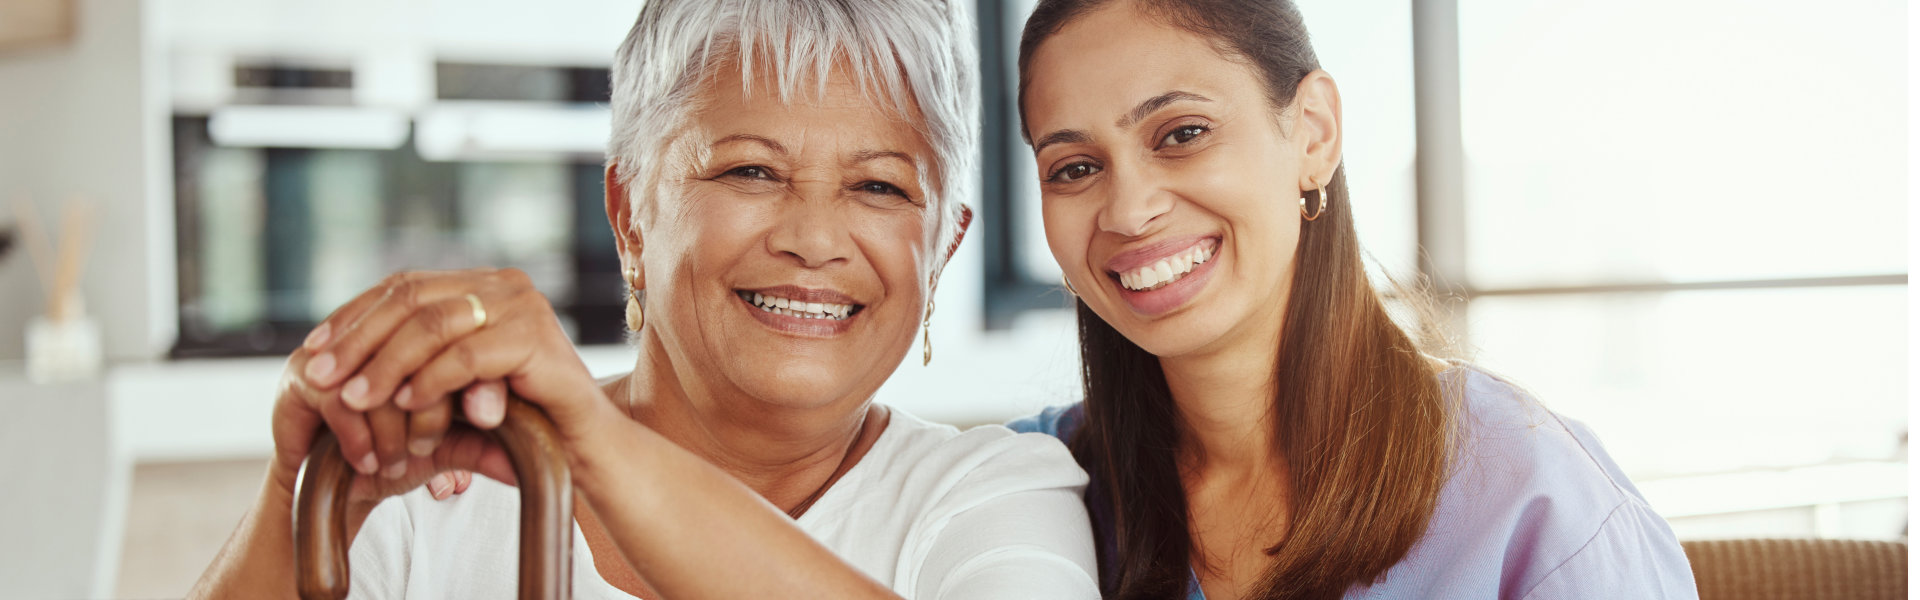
{"x": 1318, "y": 125}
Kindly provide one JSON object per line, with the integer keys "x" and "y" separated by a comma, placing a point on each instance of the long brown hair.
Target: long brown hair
{"x": 1363, "y": 423}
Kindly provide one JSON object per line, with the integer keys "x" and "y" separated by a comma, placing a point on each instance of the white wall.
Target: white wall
{"x": 81, "y": 119}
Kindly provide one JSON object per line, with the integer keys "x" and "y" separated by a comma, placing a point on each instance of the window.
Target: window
{"x": 1689, "y": 232}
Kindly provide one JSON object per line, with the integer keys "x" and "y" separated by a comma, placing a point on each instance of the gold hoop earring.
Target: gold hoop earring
{"x": 1069, "y": 285}
{"x": 1320, "y": 191}
{"x": 636, "y": 315}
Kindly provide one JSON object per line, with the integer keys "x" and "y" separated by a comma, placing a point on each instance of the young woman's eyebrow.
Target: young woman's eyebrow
{"x": 1074, "y": 136}
{"x": 1063, "y": 136}
{"x": 1156, "y": 103}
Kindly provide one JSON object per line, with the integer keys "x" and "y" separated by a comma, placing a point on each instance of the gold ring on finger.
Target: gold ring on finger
{"x": 479, "y": 312}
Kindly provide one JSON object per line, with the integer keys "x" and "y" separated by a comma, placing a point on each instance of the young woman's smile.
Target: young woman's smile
{"x": 1162, "y": 276}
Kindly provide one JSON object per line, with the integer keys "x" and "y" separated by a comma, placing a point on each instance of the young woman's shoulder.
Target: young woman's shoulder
{"x": 1510, "y": 444}
{"x": 1057, "y": 421}
{"x": 1534, "y": 507}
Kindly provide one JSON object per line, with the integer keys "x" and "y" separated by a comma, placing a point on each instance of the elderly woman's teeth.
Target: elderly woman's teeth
{"x": 1166, "y": 270}
{"x": 795, "y": 308}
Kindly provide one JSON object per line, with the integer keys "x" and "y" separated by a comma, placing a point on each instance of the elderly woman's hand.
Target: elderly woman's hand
{"x": 300, "y": 409}
{"x": 397, "y": 353}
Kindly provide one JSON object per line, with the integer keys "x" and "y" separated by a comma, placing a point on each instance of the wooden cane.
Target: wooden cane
{"x": 546, "y": 509}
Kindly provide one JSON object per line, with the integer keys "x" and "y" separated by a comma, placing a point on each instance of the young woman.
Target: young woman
{"x": 1255, "y": 425}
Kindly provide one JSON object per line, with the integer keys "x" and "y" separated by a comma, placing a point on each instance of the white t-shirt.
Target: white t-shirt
{"x": 930, "y": 511}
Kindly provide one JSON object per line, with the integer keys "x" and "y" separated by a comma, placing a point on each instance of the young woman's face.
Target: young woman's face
{"x": 1169, "y": 183}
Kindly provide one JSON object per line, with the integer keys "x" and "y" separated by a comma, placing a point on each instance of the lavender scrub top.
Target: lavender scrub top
{"x": 1535, "y": 509}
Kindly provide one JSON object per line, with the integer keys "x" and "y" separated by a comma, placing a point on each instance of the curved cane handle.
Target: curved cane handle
{"x": 546, "y": 509}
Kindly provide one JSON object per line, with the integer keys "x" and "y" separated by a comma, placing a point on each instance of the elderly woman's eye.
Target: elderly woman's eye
{"x": 1182, "y": 135}
{"x": 1073, "y": 172}
{"x": 751, "y": 172}
{"x": 882, "y": 187}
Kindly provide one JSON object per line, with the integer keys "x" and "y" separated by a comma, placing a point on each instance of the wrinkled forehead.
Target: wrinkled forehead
{"x": 870, "y": 77}
{"x": 757, "y": 80}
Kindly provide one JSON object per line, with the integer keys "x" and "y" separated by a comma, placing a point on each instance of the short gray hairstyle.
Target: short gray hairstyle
{"x": 912, "y": 53}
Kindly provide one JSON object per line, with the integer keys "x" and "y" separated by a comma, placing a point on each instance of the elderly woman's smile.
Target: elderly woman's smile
{"x": 786, "y": 306}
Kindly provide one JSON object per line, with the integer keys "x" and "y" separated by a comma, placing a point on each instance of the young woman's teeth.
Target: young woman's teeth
{"x": 1166, "y": 270}
{"x": 795, "y": 308}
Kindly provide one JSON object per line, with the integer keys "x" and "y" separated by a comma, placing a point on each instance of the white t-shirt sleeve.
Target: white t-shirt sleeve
{"x": 378, "y": 559}
{"x": 1014, "y": 527}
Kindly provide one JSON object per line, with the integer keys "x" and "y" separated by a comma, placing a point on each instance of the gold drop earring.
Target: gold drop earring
{"x": 926, "y": 323}
{"x": 636, "y": 315}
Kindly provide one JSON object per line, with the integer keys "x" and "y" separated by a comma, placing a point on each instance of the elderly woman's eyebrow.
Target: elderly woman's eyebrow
{"x": 872, "y": 155}
{"x": 776, "y": 147}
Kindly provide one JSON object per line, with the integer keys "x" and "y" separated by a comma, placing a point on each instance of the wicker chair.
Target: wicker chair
{"x": 1798, "y": 569}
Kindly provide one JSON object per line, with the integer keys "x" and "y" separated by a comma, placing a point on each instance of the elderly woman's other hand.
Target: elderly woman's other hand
{"x": 399, "y": 352}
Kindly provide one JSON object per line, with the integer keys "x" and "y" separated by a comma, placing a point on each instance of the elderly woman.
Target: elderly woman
{"x": 784, "y": 188}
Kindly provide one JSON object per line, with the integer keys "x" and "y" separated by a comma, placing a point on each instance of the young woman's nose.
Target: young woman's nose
{"x": 1135, "y": 202}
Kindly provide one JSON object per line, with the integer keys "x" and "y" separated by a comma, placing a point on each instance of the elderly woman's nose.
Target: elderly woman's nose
{"x": 813, "y": 233}
{"x": 1134, "y": 203}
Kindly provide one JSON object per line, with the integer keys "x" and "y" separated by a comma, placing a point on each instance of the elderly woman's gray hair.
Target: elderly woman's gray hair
{"x": 909, "y": 53}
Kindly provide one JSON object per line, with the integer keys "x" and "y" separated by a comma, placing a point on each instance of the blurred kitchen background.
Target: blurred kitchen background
{"x": 1683, "y": 222}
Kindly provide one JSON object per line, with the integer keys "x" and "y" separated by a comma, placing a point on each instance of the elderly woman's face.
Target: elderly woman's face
{"x": 785, "y": 247}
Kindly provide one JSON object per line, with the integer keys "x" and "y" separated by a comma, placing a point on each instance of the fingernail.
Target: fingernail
{"x": 440, "y": 488}
{"x": 395, "y": 470}
{"x": 404, "y": 398}
{"x": 420, "y": 447}
{"x": 320, "y": 368}
{"x": 491, "y": 407}
{"x": 355, "y": 393}
{"x": 368, "y": 464}
{"x": 319, "y": 336}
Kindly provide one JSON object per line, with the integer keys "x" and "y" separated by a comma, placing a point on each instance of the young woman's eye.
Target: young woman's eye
{"x": 1073, "y": 172}
{"x": 750, "y": 172}
{"x": 882, "y": 187}
{"x": 1182, "y": 135}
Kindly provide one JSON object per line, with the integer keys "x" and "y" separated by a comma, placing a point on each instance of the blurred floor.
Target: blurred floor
{"x": 178, "y": 515}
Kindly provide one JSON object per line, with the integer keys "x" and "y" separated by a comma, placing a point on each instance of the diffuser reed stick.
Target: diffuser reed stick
{"x": 59, "y": 271}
